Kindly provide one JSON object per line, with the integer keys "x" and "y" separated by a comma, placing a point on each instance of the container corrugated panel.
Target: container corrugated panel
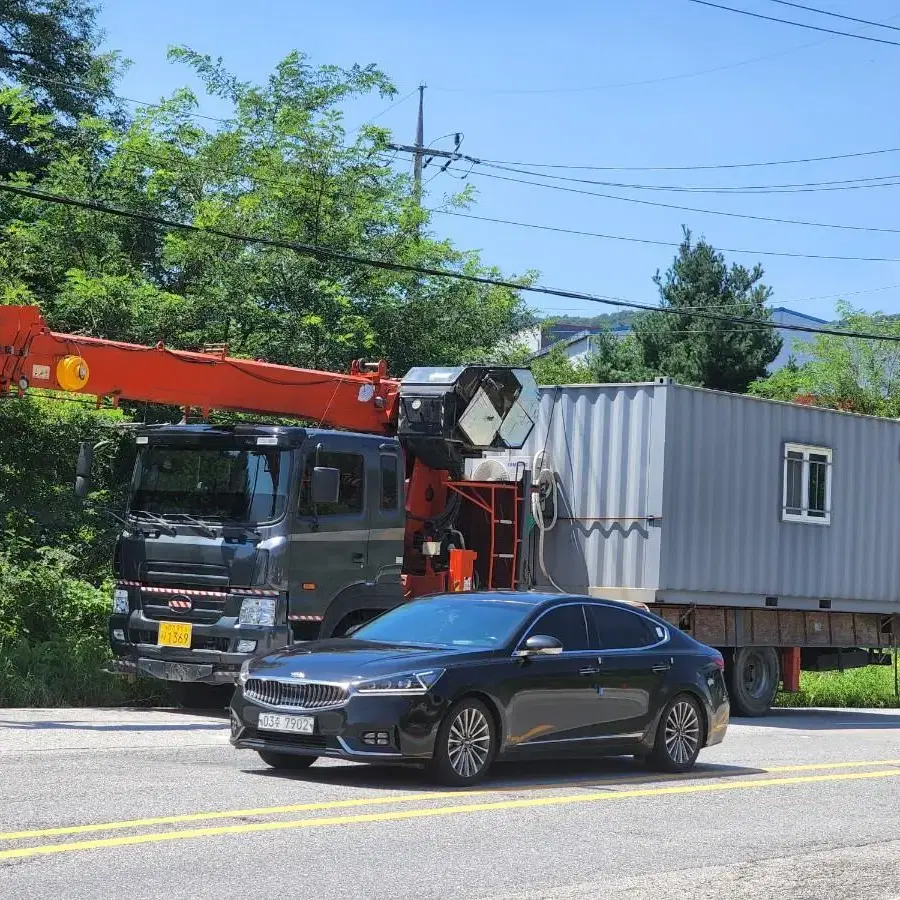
{"x": 606, "y": 444}
{"x": 723, "y": 535}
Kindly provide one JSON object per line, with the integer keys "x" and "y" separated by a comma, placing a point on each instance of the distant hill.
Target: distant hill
{"x": 605, "y": 320}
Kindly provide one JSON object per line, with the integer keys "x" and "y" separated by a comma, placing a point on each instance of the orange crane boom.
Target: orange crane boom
{"x": 31, "y": 355}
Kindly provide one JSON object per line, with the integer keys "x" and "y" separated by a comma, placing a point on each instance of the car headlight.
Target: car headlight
{"x": 244, "y": 674}
{"x": 120, "y": 601}
{"x": 405, "y": 684}
{"x": 257, "y": 611}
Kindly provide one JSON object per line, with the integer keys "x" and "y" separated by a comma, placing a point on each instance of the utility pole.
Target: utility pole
{"x": 423, "y": 155}
{"x": 419, "y": 151}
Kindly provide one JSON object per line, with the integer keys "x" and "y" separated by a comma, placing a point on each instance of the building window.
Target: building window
{"x": 807, "y": 484}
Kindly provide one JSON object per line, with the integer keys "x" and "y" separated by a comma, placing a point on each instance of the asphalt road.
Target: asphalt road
{"x": 156, "y": 804}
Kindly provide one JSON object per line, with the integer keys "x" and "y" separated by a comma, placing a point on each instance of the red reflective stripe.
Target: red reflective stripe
{"x": 198, "y": 593}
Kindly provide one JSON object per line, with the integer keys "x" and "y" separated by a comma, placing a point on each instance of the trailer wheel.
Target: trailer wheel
{"x": 753, "y": 676}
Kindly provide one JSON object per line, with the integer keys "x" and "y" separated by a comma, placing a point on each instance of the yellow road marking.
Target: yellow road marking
{"x": 429, "y": 812}
{"x": 408, "y": 798}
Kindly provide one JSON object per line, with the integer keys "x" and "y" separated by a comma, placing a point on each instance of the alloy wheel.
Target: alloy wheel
{"x": 682, "y": 732}
{"x": 469, "y": 742}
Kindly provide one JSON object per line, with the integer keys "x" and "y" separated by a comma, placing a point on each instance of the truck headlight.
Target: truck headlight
{"x": 405, "y": 684}
{"x": 257, "y": 611}
{"x": 120, "y": 601}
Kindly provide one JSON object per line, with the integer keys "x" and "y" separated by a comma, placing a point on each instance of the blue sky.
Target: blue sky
{"x": 558, "y": 83}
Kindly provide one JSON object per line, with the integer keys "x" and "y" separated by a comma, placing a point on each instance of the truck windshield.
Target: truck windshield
{"x": 212, "y": 483}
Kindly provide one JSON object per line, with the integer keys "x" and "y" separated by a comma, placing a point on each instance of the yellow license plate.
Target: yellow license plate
{"x": 174, "y": 634}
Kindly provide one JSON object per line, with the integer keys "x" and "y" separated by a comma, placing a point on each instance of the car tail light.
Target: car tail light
{"x": 719, "y": 660}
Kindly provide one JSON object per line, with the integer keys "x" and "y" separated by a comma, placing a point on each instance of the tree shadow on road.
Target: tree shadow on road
{"x": 611, "y": 772}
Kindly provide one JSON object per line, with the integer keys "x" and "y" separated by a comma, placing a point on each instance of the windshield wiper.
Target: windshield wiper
{"x": 164, "y": 526}
{"x": 200, "y": 526}
{"x": 230, "y": 527}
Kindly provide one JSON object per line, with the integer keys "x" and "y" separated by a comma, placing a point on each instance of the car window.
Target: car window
{"x": 566, "y": 624}
{"x": 619, "y": 629}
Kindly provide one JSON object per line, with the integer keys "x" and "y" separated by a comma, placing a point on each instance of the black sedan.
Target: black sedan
{"x": 455, "y": 681}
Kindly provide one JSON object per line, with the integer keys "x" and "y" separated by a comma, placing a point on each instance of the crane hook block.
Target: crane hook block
{"x": 72, "y": 373}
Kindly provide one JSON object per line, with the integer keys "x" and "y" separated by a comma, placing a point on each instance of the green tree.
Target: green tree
{"x": 282, "y": 167}
{"x": 712, "y": 353}
{"x": 52, "y": 47}
{"x": 843, "y": 372}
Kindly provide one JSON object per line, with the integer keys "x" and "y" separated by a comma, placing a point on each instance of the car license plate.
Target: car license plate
{"x": 294, "y": 724}
{"x": 174, "y": 634}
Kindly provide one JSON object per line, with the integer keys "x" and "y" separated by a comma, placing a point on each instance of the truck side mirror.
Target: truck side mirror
{"x": 326, "y": 485}
{"x": 83, "y": 469}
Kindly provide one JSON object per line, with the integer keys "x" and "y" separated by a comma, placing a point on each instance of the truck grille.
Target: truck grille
{"x": 295, "y": 695}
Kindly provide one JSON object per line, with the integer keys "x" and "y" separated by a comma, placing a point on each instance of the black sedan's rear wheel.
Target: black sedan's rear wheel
{"x": 679, "y": 736}
{"x": 466, "y": 744}
{"x": 286, "y": 761}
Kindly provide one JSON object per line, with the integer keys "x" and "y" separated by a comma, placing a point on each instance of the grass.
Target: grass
{"x": 60, "y": 673}
{"x": 871, "y": 687}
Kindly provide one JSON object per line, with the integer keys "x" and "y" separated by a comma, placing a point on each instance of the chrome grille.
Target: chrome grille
{"x": 295, "y": 694}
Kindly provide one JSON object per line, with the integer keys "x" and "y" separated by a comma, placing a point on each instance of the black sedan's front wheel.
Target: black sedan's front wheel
{"x": 466, "y": 744}
{"x": 679, "y": 737}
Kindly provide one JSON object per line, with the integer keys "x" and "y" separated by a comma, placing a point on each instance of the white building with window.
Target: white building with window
{"x": 675, "y": 494}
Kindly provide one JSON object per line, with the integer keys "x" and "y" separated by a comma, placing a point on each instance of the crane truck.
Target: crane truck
{"x": 242, "y": 539}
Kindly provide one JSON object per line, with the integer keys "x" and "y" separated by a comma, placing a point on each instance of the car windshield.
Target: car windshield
{"x": 448, "y": 621}
{"x": 212, "y": 483}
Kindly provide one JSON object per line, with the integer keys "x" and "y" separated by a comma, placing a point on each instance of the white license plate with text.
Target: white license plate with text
{"x": 292, "y": 724}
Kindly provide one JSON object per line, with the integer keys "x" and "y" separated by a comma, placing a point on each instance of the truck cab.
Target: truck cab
{"x": 241, "y": 539}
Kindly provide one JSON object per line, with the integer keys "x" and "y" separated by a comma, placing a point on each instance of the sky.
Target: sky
{"x": 610, "y": 83}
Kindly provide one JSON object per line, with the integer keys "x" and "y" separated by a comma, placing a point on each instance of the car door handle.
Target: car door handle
{"x": 589, "y": 670}
{"x": 359, "y": 558}
{"x": 662, "y": 667}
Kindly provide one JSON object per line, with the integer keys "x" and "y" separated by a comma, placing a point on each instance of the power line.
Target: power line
{"x": 320, "y": 252}
{"x": 698, "y": 168}
{"x": 746, "y": 12}
{"x": 694, "y": 209}
{"x": 800, "y": 187}
{"x": 834, "y": 15}
{"x": 637, "y": 240}
{"x": 629, "y": 84}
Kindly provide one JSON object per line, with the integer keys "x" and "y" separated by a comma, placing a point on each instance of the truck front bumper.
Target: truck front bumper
{"x": 139, "y": 654}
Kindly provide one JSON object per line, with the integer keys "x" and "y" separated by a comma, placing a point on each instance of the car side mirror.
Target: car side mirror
{"x": 540, "y": 645}
{"x": 325, "y": 485}
{"x": 83, "y": 469}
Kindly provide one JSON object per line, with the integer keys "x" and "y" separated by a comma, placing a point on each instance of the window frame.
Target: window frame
{"x": 530, "y": 630}
{"x": 657, "y": 627}
{"x": 309, "y": 459}
{"x": 395, "y": 459}
{"x": 806, "y": 450}
{"x": 656, "y": 632}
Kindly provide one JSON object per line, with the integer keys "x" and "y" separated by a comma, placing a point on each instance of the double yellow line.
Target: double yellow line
{"x": 609, "y": 794}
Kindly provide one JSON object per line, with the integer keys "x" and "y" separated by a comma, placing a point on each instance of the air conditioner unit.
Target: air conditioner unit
{"x": 497, "y": 468}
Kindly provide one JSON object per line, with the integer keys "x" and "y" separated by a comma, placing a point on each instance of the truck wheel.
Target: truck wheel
{"x": 753, "y": 677}
{"x": 286, "y": 760}
{"x": 197, "y": 695}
